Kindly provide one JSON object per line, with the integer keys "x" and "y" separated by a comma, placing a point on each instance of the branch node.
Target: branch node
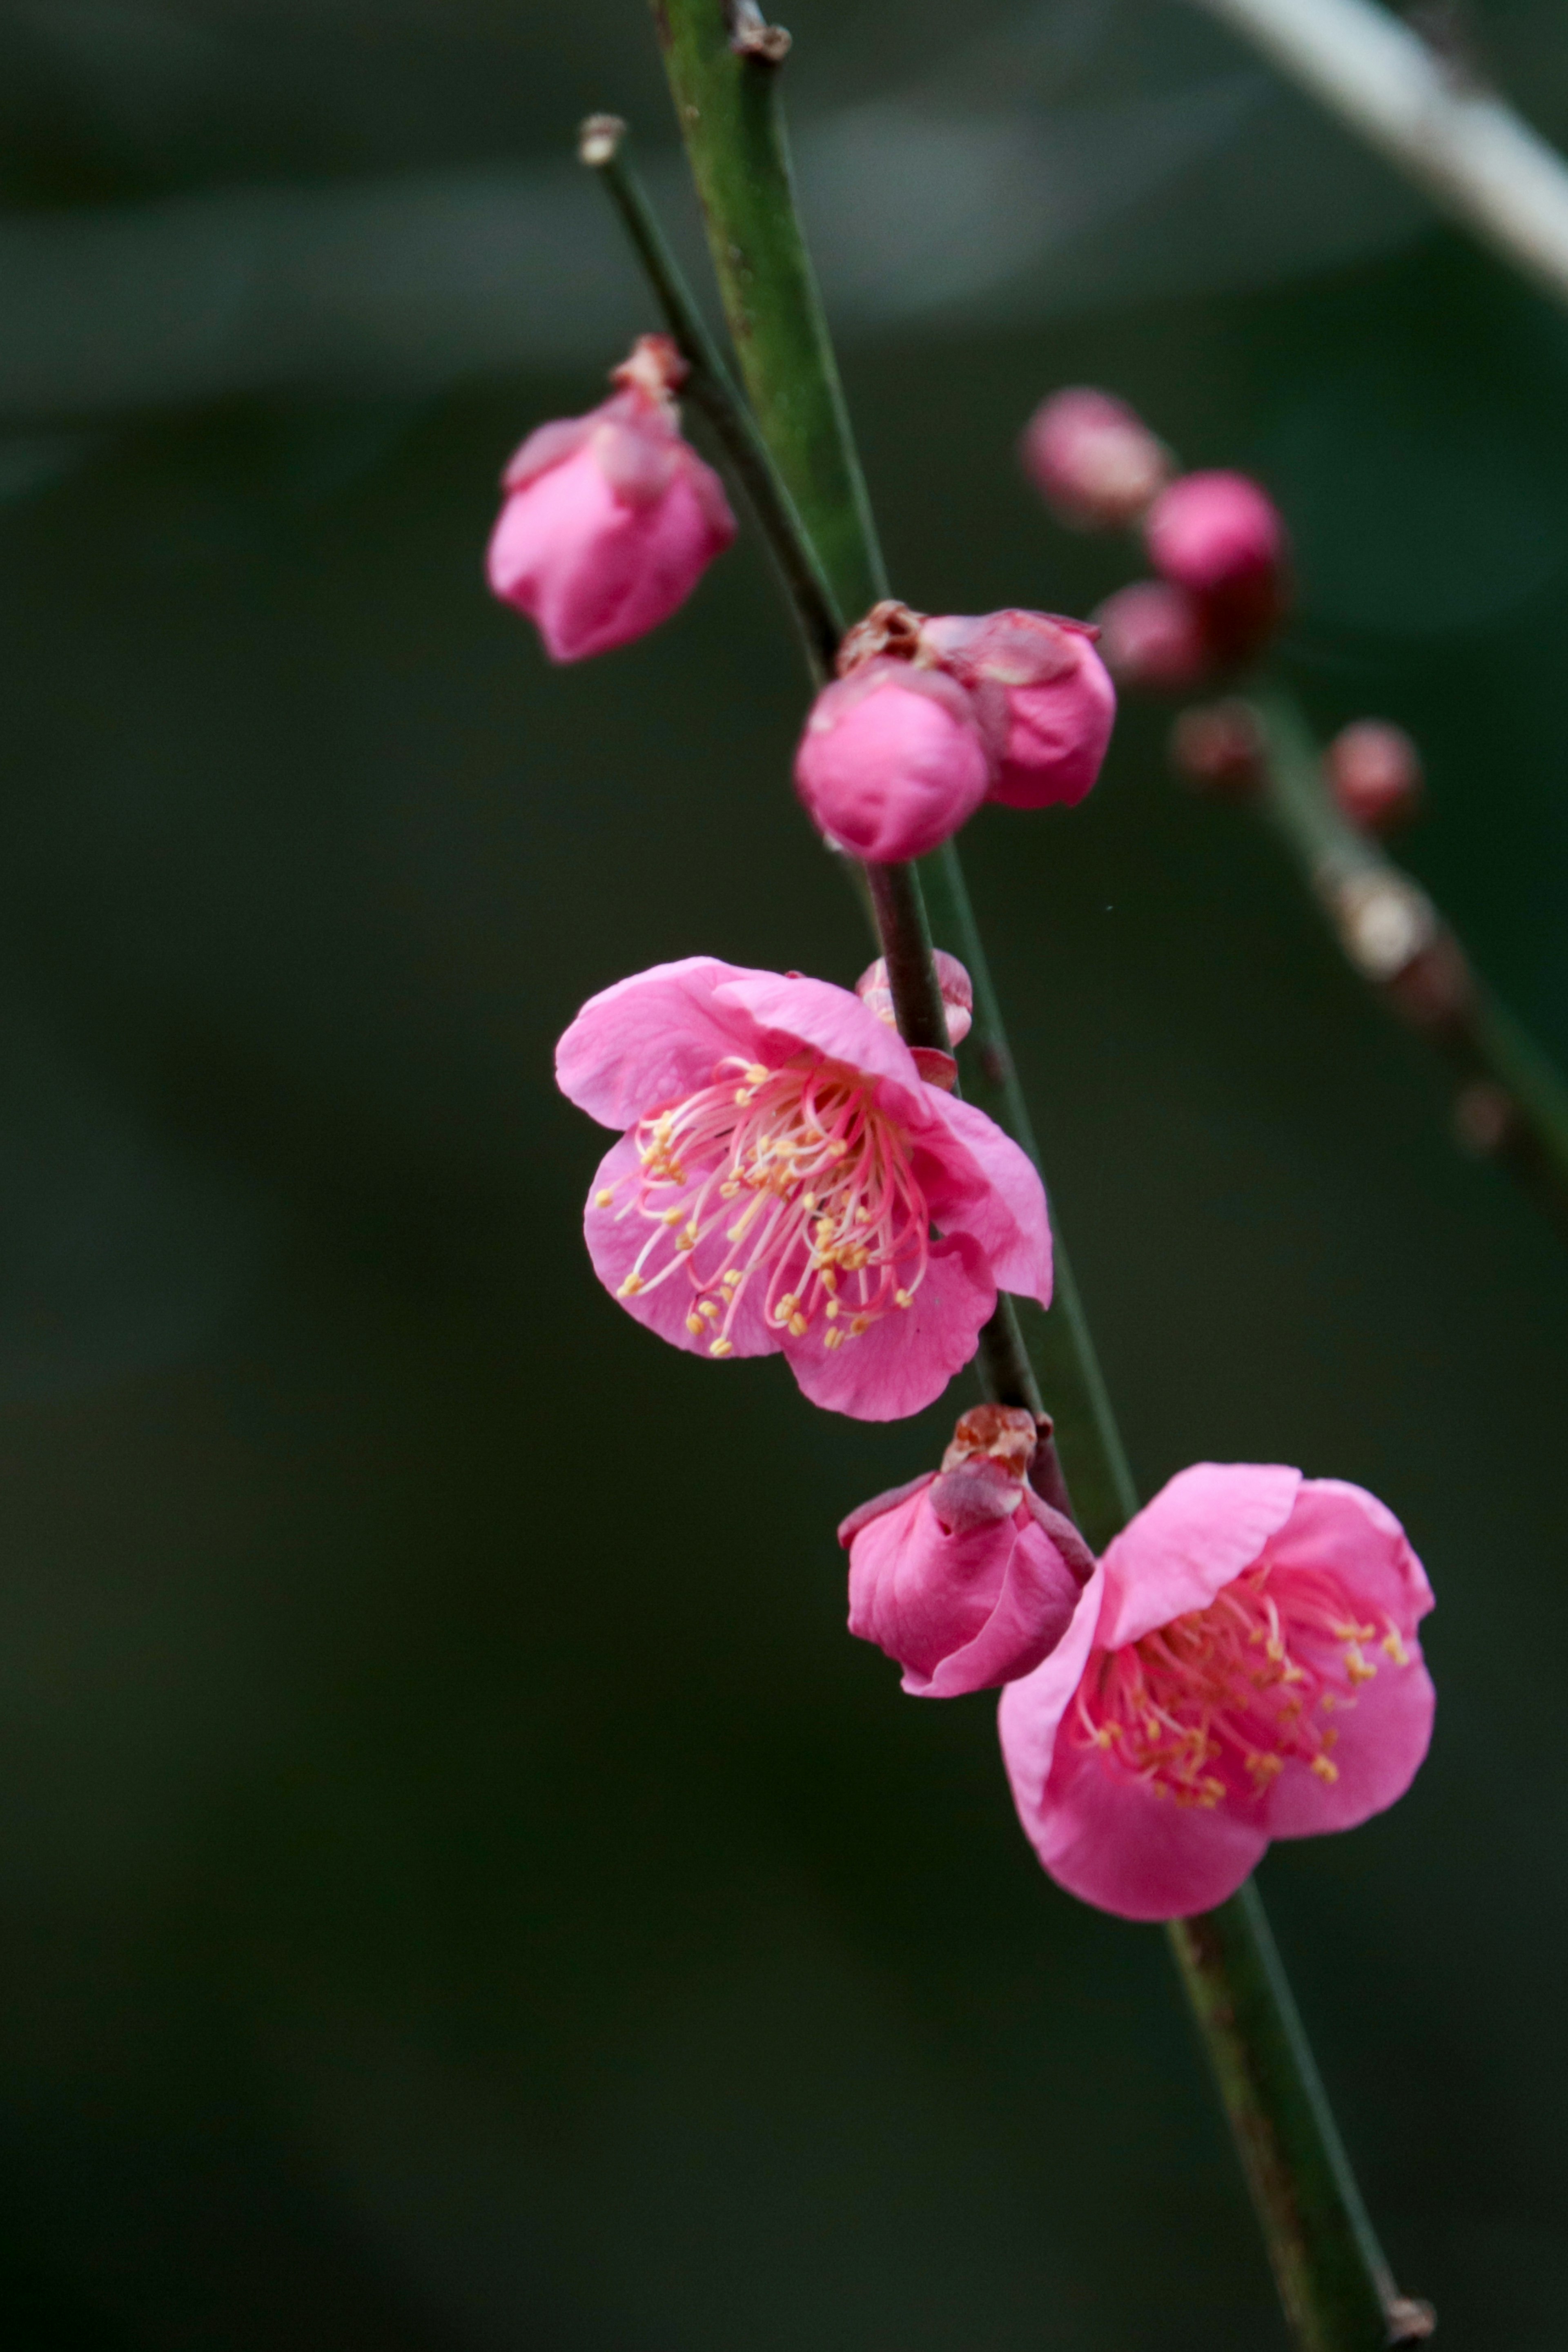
{"x": 598, "y": 138}
{"x": 751, "y": 36}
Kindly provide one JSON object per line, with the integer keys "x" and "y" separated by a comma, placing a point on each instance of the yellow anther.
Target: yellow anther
{"x": 696, "y": 1325}
{"x": 744, "y": 1094}
{"x": 835, "y": 1338}
{"x": 1327, "y": 1773}
{"x": 1360, "y": 1669}
{"x": 605, "y": 1197}
{"x": 630, "y": 1288}
{"x": 710, "y": 1309}
{"x": 756, "y": 1076}
{"x": 861, "y": 1323}
{"x": 672, "y": 1216}
{"x": 1395, "y": 1648}
{"x": 831, "y": 1309}
{"x": 903, "y": 1298}
{"x": 797, "y": 1325}
{"x": 722, "y": 1348}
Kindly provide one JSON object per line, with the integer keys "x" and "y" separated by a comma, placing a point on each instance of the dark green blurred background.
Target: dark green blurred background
{"x": 462, "y": 1890}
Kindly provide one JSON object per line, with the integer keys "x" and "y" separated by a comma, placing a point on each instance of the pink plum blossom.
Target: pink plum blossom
{"x": 893, "y": 759}
{"x": 1220, "y": 537}
{"x": 965, "y": 1576}
{"x": 1092, "y": 458}
{"x": 1242, "y": 1667}
{"x": 1059, "y": 703}
{"x": 787, "y": 1181}
{"x": 611, "y": 519}
{"x": 1153, "y": 637}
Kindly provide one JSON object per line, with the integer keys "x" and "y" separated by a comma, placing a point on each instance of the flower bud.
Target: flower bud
{"x": 1152, "y": 636}
{"x": 1092, "y": 458}
{"x": 965, "y": 1576}
{"x": 958, "y": 994}
{"x": 611, "y": 519}
{"x": 1220, "y": 537}
{"x": 1057, "y": 695}
{"x": 1218, "y": 747}
{"x": 1373, "y": 771}
{"x": 893, "y": 759}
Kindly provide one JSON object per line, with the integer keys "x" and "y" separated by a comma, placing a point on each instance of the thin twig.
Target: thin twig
{"x": 1510, "y": 1103}
{"x": 1478, "y": 160}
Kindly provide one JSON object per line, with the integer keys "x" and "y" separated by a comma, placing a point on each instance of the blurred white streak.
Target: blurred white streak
{"x": 1464, "y": 146}
{"x": 1089, "y": 153}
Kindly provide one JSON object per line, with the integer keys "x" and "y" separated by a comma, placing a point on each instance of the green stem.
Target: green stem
{"x": 1510, "y": 1103}
{"x": 1336, "y": 2288}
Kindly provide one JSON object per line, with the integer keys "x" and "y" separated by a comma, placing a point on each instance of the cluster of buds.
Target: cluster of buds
{"x": 1216, "y": 540}
{"x": 930, "y": 715}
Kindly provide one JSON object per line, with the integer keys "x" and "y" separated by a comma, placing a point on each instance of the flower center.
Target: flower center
{"x": 803, "y": 1190}
{"x": 1210, "y": 1705}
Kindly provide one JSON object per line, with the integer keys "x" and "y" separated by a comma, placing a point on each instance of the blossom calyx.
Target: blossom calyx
{"x": 1092, "y": 458}
{"x": 787, "y": 1182}
{"x": 609, "y": 519}
{"x": 965, "y": 1576}
{"x": 1243, "y": 1665}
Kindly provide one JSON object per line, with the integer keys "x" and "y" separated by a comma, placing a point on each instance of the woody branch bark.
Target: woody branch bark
{"x": 722, "y": 63}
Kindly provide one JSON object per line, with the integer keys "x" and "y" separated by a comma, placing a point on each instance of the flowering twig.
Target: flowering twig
{"x": 1511, "y": 1105}
{"x": 1335, "y": 2286}
{"x": 1456, "y": 138}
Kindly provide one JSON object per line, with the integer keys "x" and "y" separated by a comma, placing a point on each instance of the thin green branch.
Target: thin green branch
{"x": 1337, "y": 2290}
{"x": 1510, "y": 1103}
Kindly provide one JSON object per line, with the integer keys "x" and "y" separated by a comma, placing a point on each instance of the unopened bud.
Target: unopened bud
{"x": 1373, "y": 771}
{"x": 1220, "y": 748}
{"x": 958, "y": 994}
{"x": 1152, "y": 636}
{"x": 1220, "y": 537}
{"x": 1093, "y": 459}
{"x": 1050, "y": 693}
{"x": 893, "y": 760}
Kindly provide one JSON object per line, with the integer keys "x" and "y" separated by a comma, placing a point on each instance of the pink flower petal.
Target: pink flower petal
{"x": 1004, "y": 1210}
{"x": 615, "y": 1240}
{"x": 788, "y": 1013}
{"x": 1200, "y": 1531}
{"x": 652, "y": 1040}
{"x": 1117, "y": 1844}
{"x": 906, "y": 1359}
{"x": 1032, "y": 1708}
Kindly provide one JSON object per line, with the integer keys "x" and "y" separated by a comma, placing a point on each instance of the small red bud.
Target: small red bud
{"x": 1152, "y": 636}
{"x": 1219, "y": 747}
{"x": 1373, "y": 771}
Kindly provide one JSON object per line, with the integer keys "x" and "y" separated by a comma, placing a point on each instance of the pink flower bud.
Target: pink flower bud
{"x": 1373, "y": 771}
{"x": 1152, "y": 636}
{"x": 1219, "y": 747}
{"x": 1220, "y": 537}
{"x": 1092, "y": 459}
{"x": 966, "y": 1577}
{"x": 958, "y": 994}
{"x": 1059, "y": 702}
{"x": 611, "y": 519}
{"x": 893, "y": 759}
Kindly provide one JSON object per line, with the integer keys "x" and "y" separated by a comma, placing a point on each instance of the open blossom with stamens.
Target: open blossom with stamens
{"x": 965, "y": 1576}
{"x": 787, "y": 1181}
{"x": 1242, "y": 1667}
{"x": 611, "y": 519}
